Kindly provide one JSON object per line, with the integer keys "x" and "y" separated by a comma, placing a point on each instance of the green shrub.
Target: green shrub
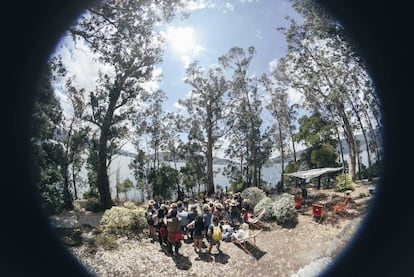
{"x": 94, "y": 205}
{"x": 283, "y": 210}
{"x": 92, "y": 192}
{"x": 236, "y": 187}
{"x": 126, "y": 220}
{"x": 254, "y": 195}
{"x": 107, "y": 241}
{"x": 267, "y": 203}
{"x": 343, "y": 182}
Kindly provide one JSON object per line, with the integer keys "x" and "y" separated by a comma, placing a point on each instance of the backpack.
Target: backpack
{"x": 216, "y": 233}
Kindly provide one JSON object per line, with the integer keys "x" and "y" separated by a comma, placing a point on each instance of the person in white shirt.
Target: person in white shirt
{"x": 241, "y": 233}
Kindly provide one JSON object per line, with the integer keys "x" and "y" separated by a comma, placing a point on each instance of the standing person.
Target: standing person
{"x": 151, "y": 216}
{"x": 190, "y": 217}
{"x": 227, "y": 210}
{"x": 180, "y": 206}
{"x": 234, "y": 212}
{"x": 245, "y": 210}
{"x": 214, "y": 234}
{"x": 175, "y": 236}
{"x": 161, "y": 227}
{"x": 183, "y": 214}
{"x": 197, "y": 225}
{"x": 219, "y": 211}
{"x": 304, "y": 192}
{"x": 206, "y": 217}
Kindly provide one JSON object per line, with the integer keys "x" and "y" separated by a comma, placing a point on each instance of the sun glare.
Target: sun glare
{"x": 183, "y": 42}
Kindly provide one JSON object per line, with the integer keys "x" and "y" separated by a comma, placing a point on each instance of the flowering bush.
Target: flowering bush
{"x": 343, "y": 182}
{"x": 283, "y": 210}
{"x": 266, "y": 203}
{"x": 254, "y": 195}
{"x": 126, "y": 220}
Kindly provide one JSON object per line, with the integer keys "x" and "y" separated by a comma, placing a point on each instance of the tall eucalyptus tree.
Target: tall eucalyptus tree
{"x": 247, "y": 109}
{"x": 208, "y": 116}
{"x": 322, "y": 64}
{"x": 285, "y": 116}
{"x": 121, "y": 35}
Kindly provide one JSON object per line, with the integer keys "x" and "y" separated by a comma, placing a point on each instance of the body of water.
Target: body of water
{"x": 120, "y": 163}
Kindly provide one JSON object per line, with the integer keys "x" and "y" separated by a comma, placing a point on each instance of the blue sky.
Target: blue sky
{"x": 212, "y": 28}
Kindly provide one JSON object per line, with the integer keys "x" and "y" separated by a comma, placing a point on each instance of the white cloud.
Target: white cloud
{"x": 197, "y": 5}
{"x": 183, "y": 42}
{"x": 272, "y": 65}
{"x": 228, "y": 7}
{"x": 249, "y": 1}
{"x": 209, "y": 4}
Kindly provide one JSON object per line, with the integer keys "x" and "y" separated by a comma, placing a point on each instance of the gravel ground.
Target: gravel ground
{"x": 300, "y": 250}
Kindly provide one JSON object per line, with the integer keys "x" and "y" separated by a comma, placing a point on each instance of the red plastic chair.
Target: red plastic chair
{"x": 318, "y": 211}
{"x": 341, "y": 207}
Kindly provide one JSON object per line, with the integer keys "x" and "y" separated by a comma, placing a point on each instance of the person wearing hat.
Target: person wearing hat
{"x": 207, "y": 216}
{"x": 245, "y": 210}
{"x": 227, "y": 209}
{"x": 151, "y": 216}
{"x": 241, "y": 233}
{"x": 174, "y": 234}
{"x": 192, "y": 214}
{"x": 161, "y": 226}
{"x": 218, "y": 210}
{"x": 234, "y": 212}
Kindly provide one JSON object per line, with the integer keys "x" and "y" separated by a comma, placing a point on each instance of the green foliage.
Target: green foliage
{"x": 164, "y": 180}
{"x": 317, "y": 133}
{"x": 47, "y": 152}
{"x": 343, "y": 182}
{"x": 92, "y": 192}
{"x": 324, "y": 156}
{"x": 125, "y": 186}
{"x": 236, "y": 187}
{"x": 283, "y": 210}
{"x": 107, "y": 241}
{"x": 375, "y": 168}
{"x": 254, "y": 195}
{"x": 94, "y": 205}
{"x": 127, "y": 220}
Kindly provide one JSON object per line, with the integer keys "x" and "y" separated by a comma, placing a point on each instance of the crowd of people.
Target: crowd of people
{"x": 170, "y": 223}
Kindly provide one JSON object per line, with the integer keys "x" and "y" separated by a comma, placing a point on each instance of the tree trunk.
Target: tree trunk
{"x": 209, "y": 156}
{"x": 356, "y": 111}
{"x": 350, "y": 139}
{"x": 103, "y": 180}
{"x": 75, "y": 191}
{"x": 282, "y": 154}
{"x": 67, "y": 197}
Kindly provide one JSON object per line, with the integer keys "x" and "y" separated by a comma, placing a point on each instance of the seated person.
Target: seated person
{"x": 298, "y": 200}
{"x": 242, "y": 233}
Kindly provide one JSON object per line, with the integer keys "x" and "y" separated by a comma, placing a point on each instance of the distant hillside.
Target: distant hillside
{"x": 359, "y": 137}
{"x": 164, "y": 156}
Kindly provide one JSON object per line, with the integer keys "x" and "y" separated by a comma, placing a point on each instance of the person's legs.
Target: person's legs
{"x": 169, "y": 247}
{"x": 199, "y": 244}
{"x": 176, "y": 246}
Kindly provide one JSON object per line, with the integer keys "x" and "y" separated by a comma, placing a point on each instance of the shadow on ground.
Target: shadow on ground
{"x": 253, "y": 250}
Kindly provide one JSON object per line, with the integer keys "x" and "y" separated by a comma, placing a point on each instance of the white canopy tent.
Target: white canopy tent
{"x": 313, "y": 173}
